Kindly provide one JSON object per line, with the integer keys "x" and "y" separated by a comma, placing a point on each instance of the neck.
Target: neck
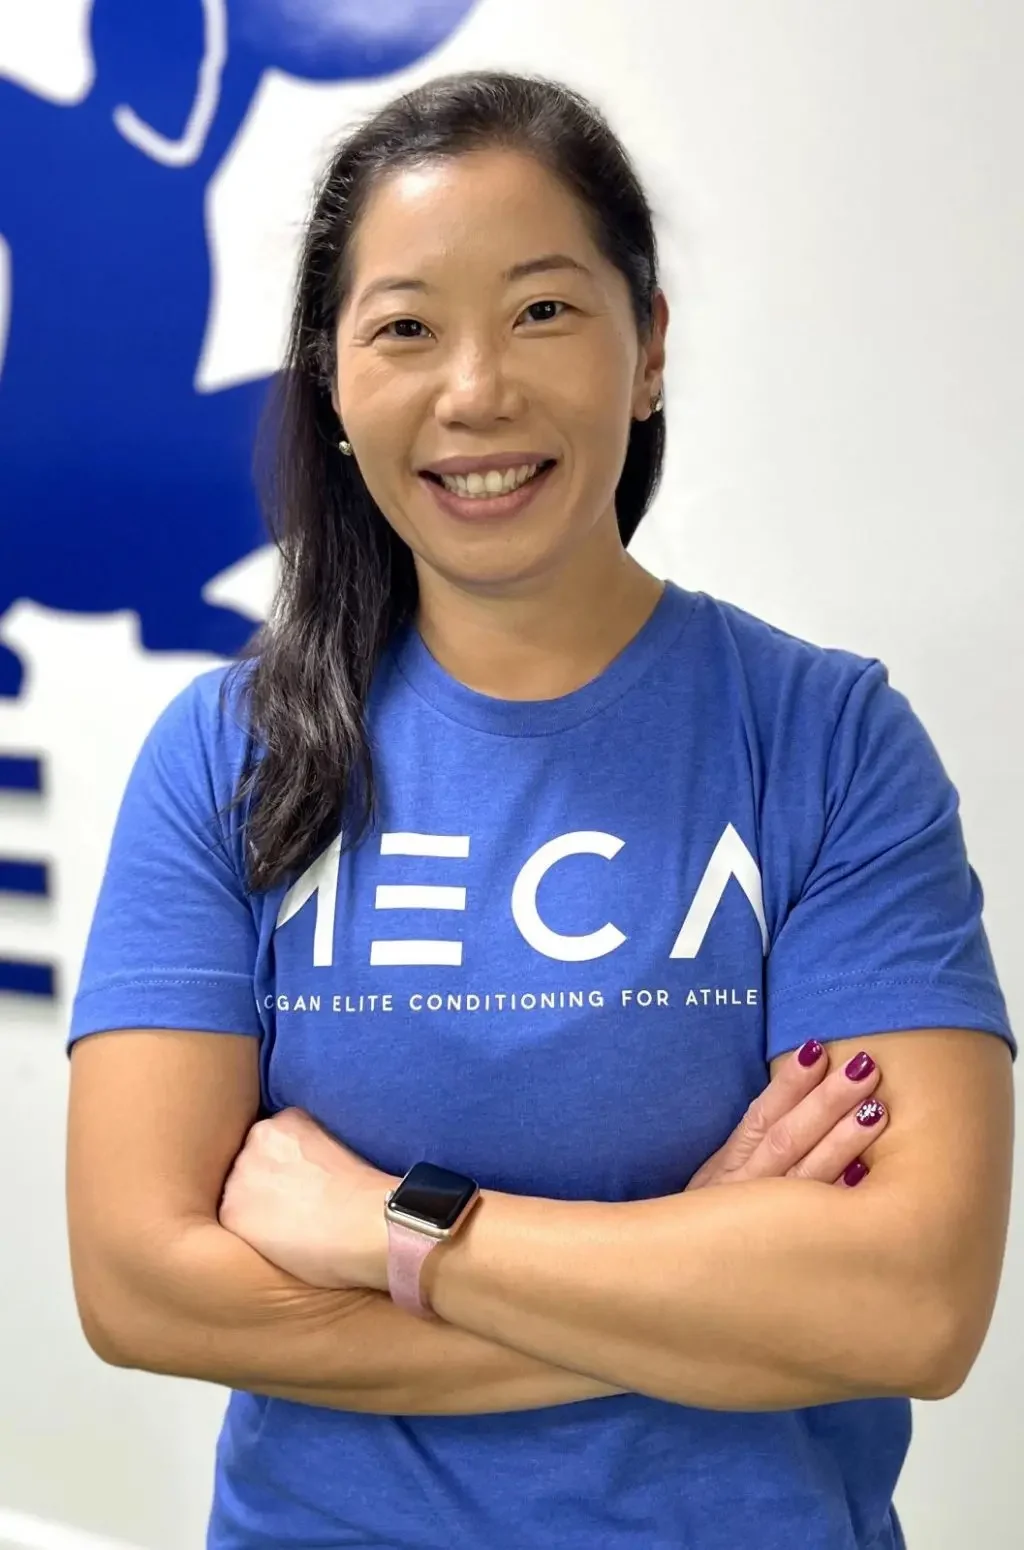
{"x": 543, "y": 638}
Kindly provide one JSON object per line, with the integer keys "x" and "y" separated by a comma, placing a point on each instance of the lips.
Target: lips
{"x": 480, "y": 508}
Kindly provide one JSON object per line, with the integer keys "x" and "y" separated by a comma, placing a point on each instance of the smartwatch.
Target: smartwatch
{"x": 428, "y": 1207}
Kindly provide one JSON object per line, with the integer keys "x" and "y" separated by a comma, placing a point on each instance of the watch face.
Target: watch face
{"x": 436, "y": 1195}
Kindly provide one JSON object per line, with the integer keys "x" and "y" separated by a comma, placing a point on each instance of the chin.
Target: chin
{"x": 498, "y": 571}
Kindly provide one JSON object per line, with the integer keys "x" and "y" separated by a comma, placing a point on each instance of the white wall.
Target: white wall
{"x": 840, "y": 206}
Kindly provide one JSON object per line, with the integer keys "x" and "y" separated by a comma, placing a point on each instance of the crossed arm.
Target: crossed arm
{"x": 767, "y": 1295}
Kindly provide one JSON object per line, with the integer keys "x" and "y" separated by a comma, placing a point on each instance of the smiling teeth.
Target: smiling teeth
{"x": 491, "y": 483}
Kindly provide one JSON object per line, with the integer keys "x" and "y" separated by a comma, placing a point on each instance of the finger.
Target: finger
{"x": 287, "y": 1122}
{"x": 844, "y": 1144}
{"x": 854, "y": 1174}
{"x": 795, "y": 1078}
{"x": 796, "y": 1134}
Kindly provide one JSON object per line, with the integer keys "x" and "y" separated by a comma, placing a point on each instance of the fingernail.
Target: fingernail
{"x": 810, "y": 1052}
{"x": 870, "y": 1113}
{"x": 860, "y": 1066}
{"x": 855, "y": 1172}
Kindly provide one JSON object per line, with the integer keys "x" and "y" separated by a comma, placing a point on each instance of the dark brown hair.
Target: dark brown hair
{"x": 347, "y": 582}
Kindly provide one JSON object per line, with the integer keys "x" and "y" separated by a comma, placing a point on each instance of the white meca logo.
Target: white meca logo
{"x": 730, "y": 858}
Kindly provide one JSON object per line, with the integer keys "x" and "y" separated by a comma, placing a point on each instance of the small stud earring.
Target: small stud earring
{"x": 345, "y": 447}
{"x": 658, "y": 404}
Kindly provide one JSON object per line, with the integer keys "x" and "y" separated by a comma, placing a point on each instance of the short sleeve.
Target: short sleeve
{"x": 173, "y": 939}
{"x": 887, "y": 932}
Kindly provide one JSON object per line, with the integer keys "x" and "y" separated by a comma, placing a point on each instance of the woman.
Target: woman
{"x": 502, "y": 869}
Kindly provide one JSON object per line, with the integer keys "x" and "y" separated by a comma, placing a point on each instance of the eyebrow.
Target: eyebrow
{"x": 543, "y": 265}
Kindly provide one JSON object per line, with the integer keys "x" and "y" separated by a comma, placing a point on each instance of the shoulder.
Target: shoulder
{"x": 832, "y": 744}
{"x": 204, "y": 730}
{"x": 776, "y": 662}
{"x": 787, "y": 686}
{"x": 813, "y": 717}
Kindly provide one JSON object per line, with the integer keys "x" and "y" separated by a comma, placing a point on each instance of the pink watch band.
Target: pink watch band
{"x": 406, "y": 1252}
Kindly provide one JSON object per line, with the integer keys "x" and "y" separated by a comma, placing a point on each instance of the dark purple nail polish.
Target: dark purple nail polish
{"x": 855, "y": 1172}
{"x": 810, "y": 1053}
{"x": 860, "y": 1066}
{"x": 870, "y": 1113}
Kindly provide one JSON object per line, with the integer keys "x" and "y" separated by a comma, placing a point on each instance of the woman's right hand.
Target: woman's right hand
{"x": 809, "y": 1123}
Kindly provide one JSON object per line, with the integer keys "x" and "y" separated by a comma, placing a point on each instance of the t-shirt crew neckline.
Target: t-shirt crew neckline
{"x": 532, "y": 718}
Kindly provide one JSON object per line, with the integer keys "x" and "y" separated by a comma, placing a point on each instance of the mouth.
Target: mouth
{"x": 478, "y": 506}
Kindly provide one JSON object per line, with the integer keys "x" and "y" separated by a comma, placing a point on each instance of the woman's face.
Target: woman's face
{"x": 456, "y": 359}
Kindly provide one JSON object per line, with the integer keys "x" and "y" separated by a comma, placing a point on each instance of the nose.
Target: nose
{"x": 477, "y": 387}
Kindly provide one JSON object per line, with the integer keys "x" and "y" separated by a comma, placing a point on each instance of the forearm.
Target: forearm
{"x": 207, "y": 1306}
{"x": 761, "y": 1296}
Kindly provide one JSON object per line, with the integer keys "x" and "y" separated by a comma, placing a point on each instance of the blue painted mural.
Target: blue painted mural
{"x": 121, "y": 486}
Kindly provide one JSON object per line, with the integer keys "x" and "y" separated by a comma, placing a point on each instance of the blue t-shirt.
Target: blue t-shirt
{"x": 560, "y": 962}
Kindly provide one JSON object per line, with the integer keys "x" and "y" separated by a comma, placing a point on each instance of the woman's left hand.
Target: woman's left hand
{"x": 309, "y": 1204}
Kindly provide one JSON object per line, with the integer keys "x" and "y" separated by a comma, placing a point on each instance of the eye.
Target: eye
{"x": 396, "y": 323}
{"x": 552, "y": 303}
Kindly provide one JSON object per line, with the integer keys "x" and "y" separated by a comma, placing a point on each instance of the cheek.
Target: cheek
{"x": 371, "y": 393}
{"x": 387, "y": 471}
{"x": 598, "y": 444}
{"x": 585, "y": 395}
{"x": 388, "y": 430}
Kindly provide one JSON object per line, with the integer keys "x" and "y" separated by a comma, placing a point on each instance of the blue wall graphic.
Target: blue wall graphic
{"x": 121, "y": 486}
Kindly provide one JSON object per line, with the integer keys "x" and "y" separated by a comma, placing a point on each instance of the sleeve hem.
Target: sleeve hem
{"x": 880, "y": 1005}
{"x": 206, "y": 1003}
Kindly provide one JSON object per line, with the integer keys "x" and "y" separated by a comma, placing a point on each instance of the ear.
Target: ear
{"x": 650, "y": 372}
{"x": 656, "y": 343}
